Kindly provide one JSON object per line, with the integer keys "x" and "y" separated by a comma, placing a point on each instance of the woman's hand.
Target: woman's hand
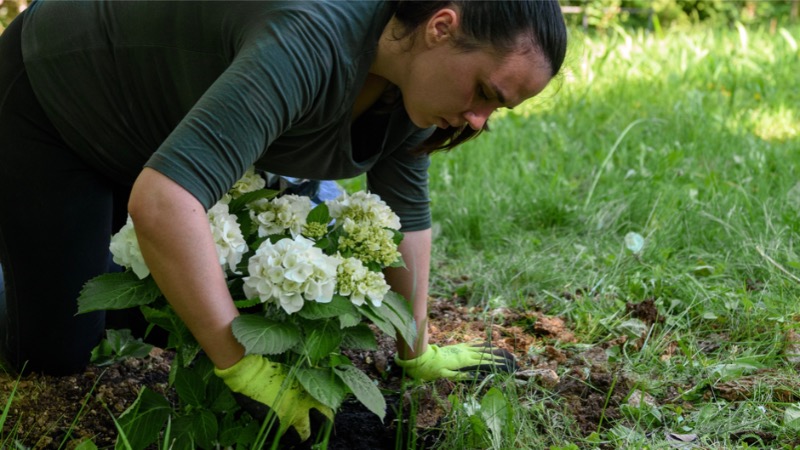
{"x": 267, "y": 383}
{"x": 458, "y": 362}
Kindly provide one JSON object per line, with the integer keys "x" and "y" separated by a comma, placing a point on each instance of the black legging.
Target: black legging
{"x": 56, "y": 218}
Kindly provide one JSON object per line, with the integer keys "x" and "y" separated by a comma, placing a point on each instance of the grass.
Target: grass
{"x": 690, "y": 140}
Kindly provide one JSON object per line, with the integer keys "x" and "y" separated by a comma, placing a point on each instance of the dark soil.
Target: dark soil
{"x": 60, "y": 412}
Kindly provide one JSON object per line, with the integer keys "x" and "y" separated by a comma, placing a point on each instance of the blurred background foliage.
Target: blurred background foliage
{"x": 602, "y": 14}
{"x": 10, "y": 9}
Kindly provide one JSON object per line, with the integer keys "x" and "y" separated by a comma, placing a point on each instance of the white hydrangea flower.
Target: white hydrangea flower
{"x": 126, "y": 252}
{"x": 228, "y": 236}
{"x": 250, "y": 181}
{"x": 364, "y": 208}
{"x": 275, "y": 216}
{"x": 368, "y": 243}
{"x": 291, "y": 272}
{"x": 358, "y": 283}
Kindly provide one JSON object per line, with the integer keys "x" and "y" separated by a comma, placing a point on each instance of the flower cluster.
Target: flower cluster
{"x": 359, "y": 283}
{"x": 228, "y": 237}
{"x": 365, "y": 209}
{"x": 250, "y": 182}
{"x": 367, "y": 223}
{"x": 291, "y": 259}
{"x": 275, "y": 216}
{"x": 125, "y": 250}
{"x": 291, "y": 271}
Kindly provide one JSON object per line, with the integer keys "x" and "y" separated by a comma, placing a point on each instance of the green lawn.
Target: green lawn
{"x": 691, "y": 141}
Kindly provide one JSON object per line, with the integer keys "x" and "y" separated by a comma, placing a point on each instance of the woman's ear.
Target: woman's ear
{"x": 441, "y": 27}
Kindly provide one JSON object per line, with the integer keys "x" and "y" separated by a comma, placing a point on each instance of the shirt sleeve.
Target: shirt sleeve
{"x": 401, "y": 180}
{"x": 270, "y": 84}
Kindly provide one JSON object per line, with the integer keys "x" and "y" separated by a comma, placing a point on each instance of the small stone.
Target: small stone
{"x": 546, "y": 377}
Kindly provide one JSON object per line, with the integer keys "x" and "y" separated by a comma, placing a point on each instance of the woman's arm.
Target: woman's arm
{"x": 412, "y": 282}
{"x": 178, "y": 247}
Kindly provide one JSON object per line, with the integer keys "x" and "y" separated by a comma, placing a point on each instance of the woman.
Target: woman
{"x": 157, "y": 108}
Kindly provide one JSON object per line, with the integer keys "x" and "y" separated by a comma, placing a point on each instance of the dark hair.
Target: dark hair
{"x": 495, "y": 24}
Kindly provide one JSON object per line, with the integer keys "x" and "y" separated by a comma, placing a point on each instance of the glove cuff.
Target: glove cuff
{"x": 241, "y": 372}
{"x": 420, "y": 360}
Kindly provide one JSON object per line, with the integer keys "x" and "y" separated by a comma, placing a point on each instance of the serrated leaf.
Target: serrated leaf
{"x": 362, "y": 387}
{"x": 142, "y": 422}
{"x": 322, "y": 340}
{"x": 262, "y": 336}
{"x": 349, "y": 320}
{"x": 336, "y": 307}
{"x": 323, "y": 385}
{"x": 359, "y": 337}
{"x": 120, "y": 290}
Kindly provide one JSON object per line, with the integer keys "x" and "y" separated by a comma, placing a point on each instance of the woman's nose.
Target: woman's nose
{"x": 477, "y": 118}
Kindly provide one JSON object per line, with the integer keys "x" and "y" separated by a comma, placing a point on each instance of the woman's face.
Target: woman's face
{"x": 448, "y": 87}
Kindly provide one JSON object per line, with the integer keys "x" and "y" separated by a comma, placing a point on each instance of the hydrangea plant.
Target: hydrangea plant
{"x": 307, "y": 280}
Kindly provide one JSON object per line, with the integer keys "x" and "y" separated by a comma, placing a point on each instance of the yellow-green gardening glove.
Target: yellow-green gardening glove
{"x": 458, "y": 362}
{"x": 265, "y": 381}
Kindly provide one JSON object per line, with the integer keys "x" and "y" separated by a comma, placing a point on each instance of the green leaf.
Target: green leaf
{"x": 349, "y": 320}
{"x": 86, "y": 445}
{"x": 738, "y": 367}
{"x": 190, "y": 387}
{"x": 323, "y": 339}
{"x": 182, "y": 437}
{"x": 118, "y": 345}
{"x": 319, "y": 214}
{"x": 117, "y": 291}
{"x": 125, "y": 345}
{"x": 323, "y": 385}
{"x": 204, "y": 428}
{"x": 262, "y": 336}
{"x": 495, "y": 411}
{"x": 142, "y": 422}
{"x": 248, "y": 303}
{"x": 103, "y": 354}
{"x": 360, "y": 337}
{"x": 791, "y": 417}
{"x": 381, "y": 322}
{"x": 398, "y": 311}
{"x": 240, "y": 202}
{"x": 362, "y": 387}
{"x": 180, "y": 338}
{"x": 336, "y": 307}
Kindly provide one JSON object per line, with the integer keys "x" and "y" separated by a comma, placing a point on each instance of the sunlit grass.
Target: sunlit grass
{"x": 689, "y": 139}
